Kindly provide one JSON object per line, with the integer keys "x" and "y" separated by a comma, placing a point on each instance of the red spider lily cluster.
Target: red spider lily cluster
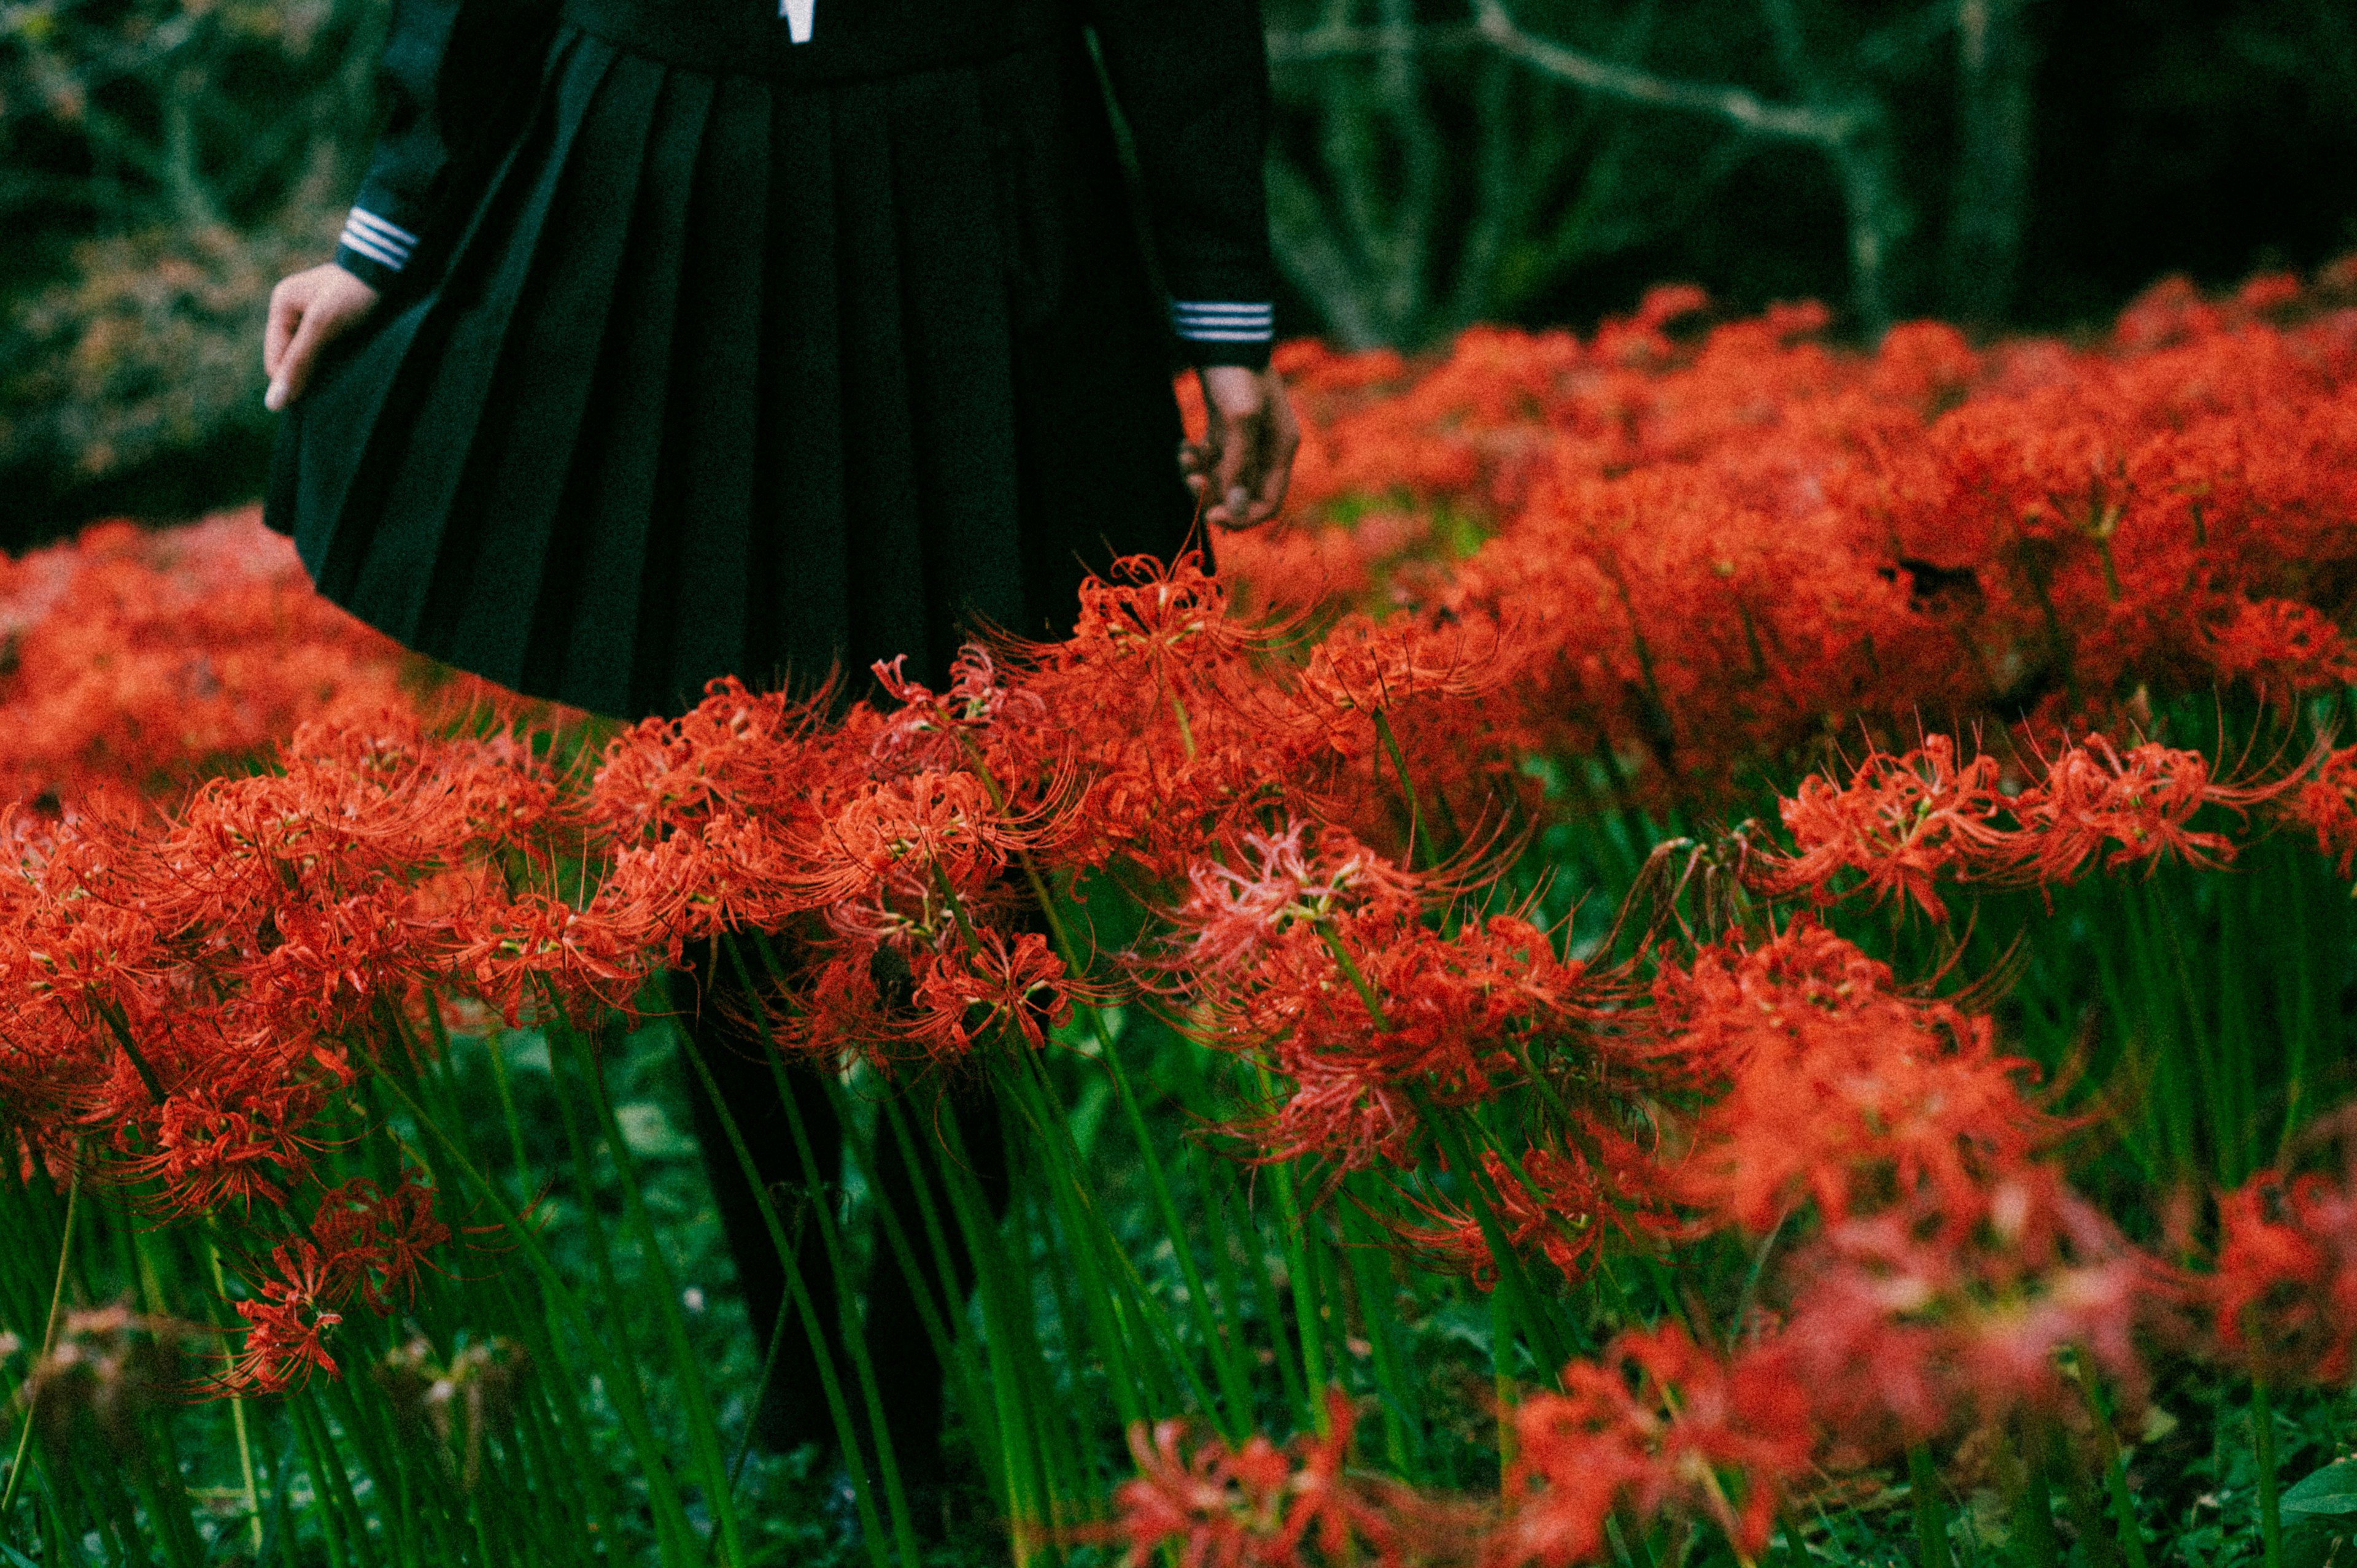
{"x": 1665, "y": 559}
{"x": 1260, "y": 1506}
{"x": 1933, "y": 1274}
{"x": 1904, "y": 824}
{"x": 190, "y": 994}
{"x": 1698, "y": 547}
{"x": 132, "y": 657}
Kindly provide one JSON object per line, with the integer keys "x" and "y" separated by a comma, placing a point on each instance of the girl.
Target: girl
{"x": 675, "y": 339}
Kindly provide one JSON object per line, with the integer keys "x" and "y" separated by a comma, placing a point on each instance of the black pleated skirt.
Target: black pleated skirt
{"x": 723, "y": 374}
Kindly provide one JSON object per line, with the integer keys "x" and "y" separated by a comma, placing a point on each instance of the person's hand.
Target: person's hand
{"x": 1238, "y": 470}
{"x": 307, "y": 312}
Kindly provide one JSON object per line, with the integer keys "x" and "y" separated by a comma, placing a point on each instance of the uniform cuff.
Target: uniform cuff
{"x": 369, "y": 270}
{"x": 1225, "y": 332}
{"x": 371, "y": 237}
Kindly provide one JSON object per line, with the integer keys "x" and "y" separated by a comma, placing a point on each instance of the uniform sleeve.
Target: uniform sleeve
{"x": 1191, "y": 79}
{"x": 453, "y": 74}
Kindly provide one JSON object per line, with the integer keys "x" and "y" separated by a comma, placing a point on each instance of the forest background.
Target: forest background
{"x": 1996, "y": 162}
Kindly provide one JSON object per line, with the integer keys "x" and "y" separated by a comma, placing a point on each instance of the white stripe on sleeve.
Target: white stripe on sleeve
{"x": 378, "y": 240}
{"x": 1223, "y": 321}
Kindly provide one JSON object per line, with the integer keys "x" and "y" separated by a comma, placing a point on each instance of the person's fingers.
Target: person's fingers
{"x": 1228, "y": 486}
{"x": 335, "y": 311}
{"x": 278, "y": 329}
{"x": 307, "y": 312}
{"x": 1195, "y": 464}
{"x": 294, "y": 366}
{"x": 1260, "y": 480}
{"x": 1277, "y": 451}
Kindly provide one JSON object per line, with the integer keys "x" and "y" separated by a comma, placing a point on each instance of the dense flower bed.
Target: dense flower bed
{"x": 1662, "y": 566}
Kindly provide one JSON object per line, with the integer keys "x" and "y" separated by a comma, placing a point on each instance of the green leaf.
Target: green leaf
{"x": 2332, "y": 1490}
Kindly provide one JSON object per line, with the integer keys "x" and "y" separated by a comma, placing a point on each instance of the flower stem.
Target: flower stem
{"x": 2115, "y": 1477}
{"x": 49, "y": 1342}
{"x": 2263, "y": 1445}
{"x": 237, "y": 1417}
{"x": 1354, "y": 975}
{"x": 1399, "y": 764}
{"x": 1931, "y": 1518}
{"x": 2033, "y": 1506}
{"x": 1501, "y": 1374}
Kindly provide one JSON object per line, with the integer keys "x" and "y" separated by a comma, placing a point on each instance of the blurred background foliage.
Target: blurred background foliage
{"x": 2001, "y": 163}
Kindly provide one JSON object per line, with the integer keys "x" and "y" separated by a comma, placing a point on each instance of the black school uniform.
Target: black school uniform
{"x": 752, "y": 336}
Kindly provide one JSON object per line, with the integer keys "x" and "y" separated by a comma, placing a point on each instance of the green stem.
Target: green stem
{"x": 2103, "y": 1548}
{"x": 703, "y": 1434}
{"x": 48, "y": 1341}
{"x": 237, "y": 1420}
{"x": 2115, "y": 1474}
{"x": 1399, "y": 764}
{"x": 1354, "y": 975}
{"x": 1293, "y": 1235}
{"x": 1502, "y": 1382}
{"x": 1931, "y": 1518}
{"x": 2033, "y": 1508}
{"x": 2263, "y": 1443}
{"x": 495, "y": 1049}
{"x": 830, "y": 1386}
{"x": 662, "y": 1494}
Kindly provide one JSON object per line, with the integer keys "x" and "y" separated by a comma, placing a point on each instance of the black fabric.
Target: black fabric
{"x": 451, "y": 76}
{"x": 1191, "y": 79}
{"x": 1191, "y": 76}
{"x": 724, "y": 376}
{"x": 854, "y": 39}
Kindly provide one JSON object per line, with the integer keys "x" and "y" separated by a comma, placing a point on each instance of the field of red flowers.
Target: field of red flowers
{"x": 1720, "y": 948}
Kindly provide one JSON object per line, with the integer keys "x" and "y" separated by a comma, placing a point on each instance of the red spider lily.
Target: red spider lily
{"x": 2326, "y": 804}
{"x": 1849, "y": 1097}
{"x": 737, "y": 753}
{"x": 2283, "y": 1300}
{"x": 2091, "y": 795}
{"x": 1903, "y": 1331}
{"x": 1904, "y": 824}
{"x": 2285, "y": 649}
{"x": 928, "y": 828}
{"x": 375, "y": 1242}
{"x": 1168, "y": 623}
{"x": 283, "y": 1344}
{"x": 1163, "y": 700}
{"x": 1735, "y": 999}
{"x": 708, "y": 812}
{"x": 1563, "y": 1206}
{"x": 1416, "y": 671}
{"x": 1726, "y": 545}
{"x": 1946, "y": 1267}
{"x": 1259, "y": 1506}
{"x": 211, "y": 1157}
{"x": 1657, "y": 1423}
{"x": 1652, "y": 561}
{"x": 139, "y": 658}
{"x": 197, "y": 985}
{"x": 964, "y": 992}
{"x": 1371, "y": 1016}
{"x": 504, "y": 947}
{"x": 1901, "y": 826}
{"x": 1228, "y": 913}
{"x": 1852, "y": 1112}
{"x": 948, "y": 730}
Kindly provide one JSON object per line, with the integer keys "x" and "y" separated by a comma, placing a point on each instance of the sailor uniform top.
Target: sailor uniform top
{"x": 1190, "y": 78}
